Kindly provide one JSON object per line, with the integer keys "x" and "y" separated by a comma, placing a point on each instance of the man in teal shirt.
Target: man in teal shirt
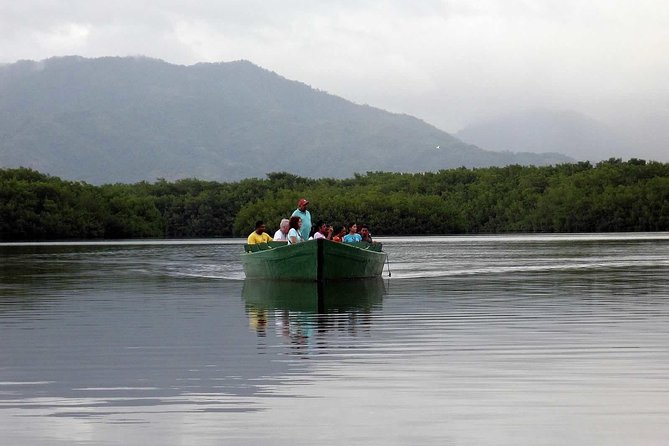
{"x": 304, "y": 214}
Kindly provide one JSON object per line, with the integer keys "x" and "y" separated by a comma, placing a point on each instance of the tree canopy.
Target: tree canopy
{"x": 613, "y": 195}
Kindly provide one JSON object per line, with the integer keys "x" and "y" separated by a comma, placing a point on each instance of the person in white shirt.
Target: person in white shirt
{"x": 322, "y": 230}
{"x": 281, "y": 235}
{"x": 294, "y": 234}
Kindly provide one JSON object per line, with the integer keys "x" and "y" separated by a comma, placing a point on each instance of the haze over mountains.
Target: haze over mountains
{"x": 131, "y": 119}
{"x": 567, "y": 132}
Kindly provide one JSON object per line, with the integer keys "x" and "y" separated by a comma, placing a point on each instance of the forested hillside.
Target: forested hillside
{"x": 112, "y": 120}
{"x": 610, "y": 196}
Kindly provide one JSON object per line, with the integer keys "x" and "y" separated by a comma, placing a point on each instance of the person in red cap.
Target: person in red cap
{"x": 304, "y": 214}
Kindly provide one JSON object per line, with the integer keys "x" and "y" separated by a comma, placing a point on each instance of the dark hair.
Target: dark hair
{"x": 292, "y": 223}
{"x": 259, "y": 223}
{"x": 364, "y": 227}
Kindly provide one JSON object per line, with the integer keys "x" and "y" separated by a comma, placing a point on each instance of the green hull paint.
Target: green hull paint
{"x": 314, "y": 297}
{"x": 315, "y": 260}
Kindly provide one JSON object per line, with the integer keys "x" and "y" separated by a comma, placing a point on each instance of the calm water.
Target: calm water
{"x": 521, "y": 340}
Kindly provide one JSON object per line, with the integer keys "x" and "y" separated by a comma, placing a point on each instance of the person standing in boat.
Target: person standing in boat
{"x": 294, "y": 234}
{"x": 352, "y": 235}
{"x": 259, "y": 235}
{"x": 281, "y": 234}
{"x": 305, "y": 215}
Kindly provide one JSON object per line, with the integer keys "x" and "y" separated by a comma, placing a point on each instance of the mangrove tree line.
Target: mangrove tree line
{"x": 613, "y": 195}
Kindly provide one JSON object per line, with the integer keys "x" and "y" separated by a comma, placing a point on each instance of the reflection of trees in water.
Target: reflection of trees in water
{"x": 308, "y": 315}
{"x": 43, "y": 276}
{"x": 38, "y": 276}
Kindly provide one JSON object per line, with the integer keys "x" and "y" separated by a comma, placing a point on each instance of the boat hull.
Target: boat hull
{"x": 315, "y": 260}
{"x": 314, "y": 297}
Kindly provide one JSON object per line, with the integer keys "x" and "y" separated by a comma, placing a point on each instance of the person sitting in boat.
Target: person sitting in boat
{"x": 322, "y": 230}
{"x": 281, "y": 234}
{"x": 305, "y": 215}
{"x": 352, "y": 235}
{"x": 259, "y": 235}
{"x": 339, "y": 235}
{"x": 364, "y": 233}
{"x": 314, "y": 228}
{"x": 294, "y": 234}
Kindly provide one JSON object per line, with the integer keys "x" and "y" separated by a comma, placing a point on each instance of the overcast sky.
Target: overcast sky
{"x": 449, "y": 62}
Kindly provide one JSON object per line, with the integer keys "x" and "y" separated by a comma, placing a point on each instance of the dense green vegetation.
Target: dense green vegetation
{"x": 610, "y": 196}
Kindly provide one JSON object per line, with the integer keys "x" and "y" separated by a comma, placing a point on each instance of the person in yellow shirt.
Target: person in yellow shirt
{"x": 259, "y": 235}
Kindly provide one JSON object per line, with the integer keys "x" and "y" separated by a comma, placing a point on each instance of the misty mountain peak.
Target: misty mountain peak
{"x": 125, "y": 119}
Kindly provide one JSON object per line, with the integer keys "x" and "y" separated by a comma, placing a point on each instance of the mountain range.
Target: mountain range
{"x": 130, "y": 119}
{"x": 540, "y": 130}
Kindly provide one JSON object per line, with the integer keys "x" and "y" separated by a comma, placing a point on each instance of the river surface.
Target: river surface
{"x": 499, "y": 340}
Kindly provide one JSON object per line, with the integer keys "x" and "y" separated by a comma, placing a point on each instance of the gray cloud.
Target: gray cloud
{"x": 449, "y": 62}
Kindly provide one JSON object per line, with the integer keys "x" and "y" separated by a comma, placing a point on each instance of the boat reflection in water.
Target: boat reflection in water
{"x": 306, "y": 314}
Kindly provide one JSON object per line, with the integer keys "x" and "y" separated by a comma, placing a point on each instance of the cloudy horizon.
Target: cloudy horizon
{"x": 449, "y": 62}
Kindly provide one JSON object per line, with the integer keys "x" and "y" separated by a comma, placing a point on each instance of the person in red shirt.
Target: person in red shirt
{"x": 340, "y": 234}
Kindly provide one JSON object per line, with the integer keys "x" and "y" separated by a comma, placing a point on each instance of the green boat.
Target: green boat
{"x": 314, "y": 297}
{"x": 314, "y": 260}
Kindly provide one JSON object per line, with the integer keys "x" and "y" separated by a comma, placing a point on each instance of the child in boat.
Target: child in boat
{"x": 352, "y": 235}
